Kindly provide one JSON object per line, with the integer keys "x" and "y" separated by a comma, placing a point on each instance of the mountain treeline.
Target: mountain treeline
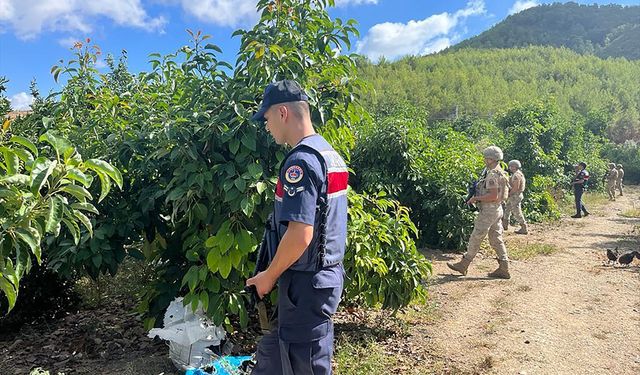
{"x": 482, "y": 83}
{"x": 603, "y": 30}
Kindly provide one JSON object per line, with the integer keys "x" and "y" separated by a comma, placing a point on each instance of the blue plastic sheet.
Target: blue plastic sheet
{"x": 221, "y": 366}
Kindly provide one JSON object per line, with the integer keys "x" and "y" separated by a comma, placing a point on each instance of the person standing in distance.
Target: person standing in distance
{"x": 310, "y": 212}
{"x": 491, "y": 192}
{"x": 517, "y": 183}
{"x": 579, "y": 181}
{"x": 612, "y": 179}
{"x": 620, "y": 178}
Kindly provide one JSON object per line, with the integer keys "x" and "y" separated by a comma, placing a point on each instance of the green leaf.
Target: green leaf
{"x": 26, "y": 143}
{"x": 56, "y": 211}
{"x": 96, "y": 259}
{"x": 191, "y": 278}
{"x": 249, "y": 142}
{"x": 204, "y": 300}
{"x": 11, "y": 161}
{"x": 225, "y": 266}
{"x": 213, "y": 259}
{"x": 60, "y": 145}
{"x": 225, "y": 240}
{"x": 77, "y": 175}
{"x": 236, "y": 257}
{"x": 200, "y": 211}
{"x": 40, "y": 172}
{"x": 211, "y": 242}
{"x": 245, "y": 241}
{"x": 84, "y": 220}
{"x": 31, "y": 237}
{"x": 261, "y": 187}
{"x": 77, "y": 191}
{"x": 73, "y": 228}
{"x": 20, "y": 179}
{"x": 105, "y": 185}
{"x": 234, "y": 145}
{"x": 213, "y": 47}
{"x": 8, "y": 194}
{"x": 255, "y": 170}
{"x": 9, "y": 291}
{"x": 246, "y": 206}
{"x": 202, "y": 273}
{"x": 241, "y": 184}
{"x": 102, "y": 166}
{"x": 85, "y": 206}
{"x": 24, "y": 155}
{"x": 244, "y": 319}
{"x": 213, "y": 284}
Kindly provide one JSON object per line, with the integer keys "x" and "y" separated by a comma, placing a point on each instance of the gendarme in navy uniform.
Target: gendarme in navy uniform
{"x": 579, "y": 183}
{"x": 311, "y": 217}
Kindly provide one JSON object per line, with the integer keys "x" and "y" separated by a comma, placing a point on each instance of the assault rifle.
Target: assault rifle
{"x": 471, "y": 192}
{"x": 267, "y": 250}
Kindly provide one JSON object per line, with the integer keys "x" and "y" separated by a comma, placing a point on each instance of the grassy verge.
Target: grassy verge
{"x": 374, "y": 341}
{"x": 631, "y": 213}
{"x": 359, "y": 358}
{"x": 521, "y": 251}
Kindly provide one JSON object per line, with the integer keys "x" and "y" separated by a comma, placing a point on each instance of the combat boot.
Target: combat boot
{"x": 503, "y": 270}
{"x": 461, "y": 266}
{"x": 505, "y": 224}
{"x": 524, "y": 229}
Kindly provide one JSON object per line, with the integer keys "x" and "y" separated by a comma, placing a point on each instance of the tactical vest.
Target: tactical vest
{"x": 503, "y": 184}
{"x": 520, "y": 176}
{"x": 330, "y": 227}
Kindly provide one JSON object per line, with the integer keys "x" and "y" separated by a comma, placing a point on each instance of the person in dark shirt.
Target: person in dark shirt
{"x": 579, "y": 183}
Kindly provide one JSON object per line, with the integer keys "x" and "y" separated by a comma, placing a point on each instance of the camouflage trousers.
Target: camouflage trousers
{"x": 513, "y": 206}
{"x": 611, "y": 189}
{"x": 488, "y": 223}
{"x": 619, "y": 186}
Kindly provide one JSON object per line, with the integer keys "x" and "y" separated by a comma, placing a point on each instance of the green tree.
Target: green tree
{"x": 42, "y": 191}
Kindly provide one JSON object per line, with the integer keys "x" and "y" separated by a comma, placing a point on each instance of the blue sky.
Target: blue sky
{"x": 35, "y": 34}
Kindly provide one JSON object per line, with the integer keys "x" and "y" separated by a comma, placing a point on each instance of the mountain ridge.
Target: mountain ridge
{"x": 602, "y": 30}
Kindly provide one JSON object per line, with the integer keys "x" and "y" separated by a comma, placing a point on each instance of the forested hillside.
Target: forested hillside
{"x": 482, "y": 83}
{"x": 604, "y": 30}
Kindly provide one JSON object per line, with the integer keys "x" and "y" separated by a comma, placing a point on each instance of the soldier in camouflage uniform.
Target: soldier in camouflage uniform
{"x": 620, "y": 177}
{"x": 491, "y": 191}
{"x": 612, "y": 178}
{"x": 517, "y": 183}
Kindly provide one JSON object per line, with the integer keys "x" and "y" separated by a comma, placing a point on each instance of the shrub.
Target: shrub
{"x": 426, "y": 169}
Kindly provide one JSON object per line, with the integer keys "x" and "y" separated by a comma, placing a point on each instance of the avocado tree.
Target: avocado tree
{"x": 42, "y": 192}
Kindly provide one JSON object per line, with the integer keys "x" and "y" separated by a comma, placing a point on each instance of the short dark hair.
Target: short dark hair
{"x": 582, "y": 164}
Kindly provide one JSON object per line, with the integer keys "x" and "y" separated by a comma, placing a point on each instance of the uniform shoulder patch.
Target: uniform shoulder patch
{"x": 294, "y": 174}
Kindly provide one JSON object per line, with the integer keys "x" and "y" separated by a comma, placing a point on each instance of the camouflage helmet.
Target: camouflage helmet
{"x": 619, "y": 165}
{"x": 516, "y": 163}
{"x": 493, "y": 152}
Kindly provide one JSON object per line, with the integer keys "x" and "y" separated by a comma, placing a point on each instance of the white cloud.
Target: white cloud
{"x": 101, "y": 64}
{"x": 28, "y": 18}
{"x": 234, "y": 13}
{"x": 344, "y": 3}
{"x": 231, "y": 13}
{"x": 521, "y": 5}
{"x": 432, "y": 34}
{"x": 21, "y": 101}
{"x": 68, "y": 42}
{"x": 6, "y": 10}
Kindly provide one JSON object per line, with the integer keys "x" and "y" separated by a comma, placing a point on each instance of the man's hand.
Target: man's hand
{"x": 263, "y": 282}
{"x": 472, "y": 200}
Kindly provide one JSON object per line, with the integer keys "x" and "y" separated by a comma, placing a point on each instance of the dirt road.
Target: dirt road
{"x": 564, "y": 313}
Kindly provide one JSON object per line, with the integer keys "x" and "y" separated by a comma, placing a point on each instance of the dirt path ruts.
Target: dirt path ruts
{"x": 566, "y": 313}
